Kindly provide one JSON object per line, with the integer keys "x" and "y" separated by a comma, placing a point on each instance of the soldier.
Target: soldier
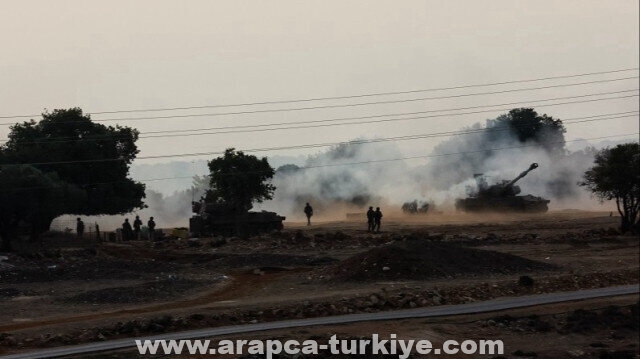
{"x": 136, "y": 228}
{"x": 98, "y": 232}
{"x": 370, "y": 219}
{"x": 151, "y": 225}
{"x": 308, "y": 211}
{"x": 127, "y": 232}
{"x": 377, "y": 216}
{"x": 79, "y": 228}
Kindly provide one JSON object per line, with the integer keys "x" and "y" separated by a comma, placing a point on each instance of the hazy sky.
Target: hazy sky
{"x": 121, "y": 55}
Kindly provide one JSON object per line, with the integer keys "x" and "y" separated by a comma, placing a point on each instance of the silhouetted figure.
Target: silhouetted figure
{"x": 98, "y": 232}
{"x": 127, "y": 231}
{"x": 79, "y": 228}
{"x": 151, "y": 225}
{"x": 136, "y": 228}
{"x": 370, "y": 219}
{"x": 377, "y": 217}
{"x": 308, "y": 211}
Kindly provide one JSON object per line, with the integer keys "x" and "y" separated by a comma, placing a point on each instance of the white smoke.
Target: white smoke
{"x": 353, "y": 176}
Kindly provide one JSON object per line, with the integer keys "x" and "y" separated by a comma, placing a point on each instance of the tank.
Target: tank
{"x": 502, "y": 197}
{"x": 222, "y": 220}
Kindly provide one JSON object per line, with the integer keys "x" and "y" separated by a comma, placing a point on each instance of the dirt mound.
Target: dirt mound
{"x": 419, "y": 260}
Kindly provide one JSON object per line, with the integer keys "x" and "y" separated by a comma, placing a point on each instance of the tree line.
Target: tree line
{"x": 65, "y": 163}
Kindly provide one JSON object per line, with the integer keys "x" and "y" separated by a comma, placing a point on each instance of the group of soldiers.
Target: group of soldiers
{"x": 128, "y": 232}
{"x": 374, "y": 218}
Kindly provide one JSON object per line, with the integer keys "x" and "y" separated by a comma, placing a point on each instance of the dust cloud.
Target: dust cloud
{"x": 346, "y": 179}
{"x": 352, "y": 176}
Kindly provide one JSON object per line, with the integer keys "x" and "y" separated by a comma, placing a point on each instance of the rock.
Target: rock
{"x": 386, "y": 269}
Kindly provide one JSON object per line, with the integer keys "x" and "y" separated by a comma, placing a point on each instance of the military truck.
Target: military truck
{"x": 224, "y": 220}
{"x": 502, "y": 197}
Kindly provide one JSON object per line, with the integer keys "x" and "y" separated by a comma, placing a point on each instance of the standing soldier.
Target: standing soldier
{"x": 308, "y": 211}
{"x": 79, "y": 227}
{"x": 370, "y": 219}
{"x": 377, "y": 218}
{"x": 127, "y": 232}
{"x": 152, "y": 229}
{"x": 136, "y": 228}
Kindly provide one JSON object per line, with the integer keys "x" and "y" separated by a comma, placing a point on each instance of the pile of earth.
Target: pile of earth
{"x": 419, "y": 260}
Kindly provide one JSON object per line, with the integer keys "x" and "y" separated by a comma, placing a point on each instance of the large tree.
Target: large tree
{"x": 528, "y": 126}
{"x": 30, "y": 199}
{"x": 483, "y": 147}
{"x": 616, "y": 175}
{"x": 84, "y": 154}
{"x": 238, "y": 180}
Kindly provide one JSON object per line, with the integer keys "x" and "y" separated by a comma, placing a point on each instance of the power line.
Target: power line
{"x": 465, "y": 152}
{"x": 365, "y": 162}
{"x": 315, "y": 108}
{"x": 259, "y": 128}
{"x": 316, "y": 126}
{"x": 349, "y": 96}
{"x": 215, "y": 114}
{"x": 317, "y": 145}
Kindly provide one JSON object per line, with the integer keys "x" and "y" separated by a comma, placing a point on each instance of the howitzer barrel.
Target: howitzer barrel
{"x": 524, "y": 173}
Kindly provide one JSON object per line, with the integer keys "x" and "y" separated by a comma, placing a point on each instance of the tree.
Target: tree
{"x": 30, "y": 199}
{"x": 238, "y": 180}
{"x": 616, "y": 175}
{"x": 479, "y": 149}
{"x": 527, "y": 125}
{"x": 89, "y": 156}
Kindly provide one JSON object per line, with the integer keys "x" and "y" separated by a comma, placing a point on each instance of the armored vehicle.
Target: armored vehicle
{"x": 415, "y": 207}
{"x": 501, "y": 197}
{"x": 221, "y": 219}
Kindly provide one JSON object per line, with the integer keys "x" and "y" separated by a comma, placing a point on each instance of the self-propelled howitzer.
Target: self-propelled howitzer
{"x": 502, "y": 197}
{"x": 225, "y": 220}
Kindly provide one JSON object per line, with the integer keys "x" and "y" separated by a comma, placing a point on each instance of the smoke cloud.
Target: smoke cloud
{"x": 353, "y": 176}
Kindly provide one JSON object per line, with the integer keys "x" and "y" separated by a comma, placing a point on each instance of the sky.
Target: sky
{"x": 124, "y": 55}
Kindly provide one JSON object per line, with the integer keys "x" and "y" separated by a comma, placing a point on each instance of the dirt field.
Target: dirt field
{"x": 70, "y": 296}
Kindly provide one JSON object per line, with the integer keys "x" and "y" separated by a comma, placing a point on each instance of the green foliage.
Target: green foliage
{"x": 74, "y": 166}
{"x": 238, "y": 180}
{"x": 30, "y": 199}
{"x": 616, "y": 175}
{"x": 527, "y": 126}
{"x": 89, "y": 155}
